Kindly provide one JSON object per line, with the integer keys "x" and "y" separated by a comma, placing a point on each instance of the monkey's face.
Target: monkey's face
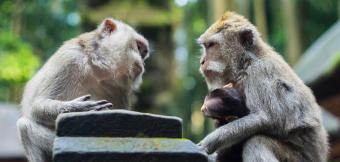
{"x": 225, "y": 45}
{"x": 213, "y": 65}
{"x": 124, "y": 49}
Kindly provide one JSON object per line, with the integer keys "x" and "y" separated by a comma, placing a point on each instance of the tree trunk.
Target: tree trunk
{"x": 260, "y": 18}
{"x": 242, "y": 7}
{"x": 293, "y": 47}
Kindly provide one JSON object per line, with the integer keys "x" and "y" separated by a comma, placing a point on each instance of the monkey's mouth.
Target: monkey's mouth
{"x": 211, "y": 75}
{"x": 137, "y": 70}
{"x": 228, "y": 118}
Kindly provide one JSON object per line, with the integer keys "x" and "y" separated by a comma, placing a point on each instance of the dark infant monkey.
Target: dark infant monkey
{"x": 225, "y": 105}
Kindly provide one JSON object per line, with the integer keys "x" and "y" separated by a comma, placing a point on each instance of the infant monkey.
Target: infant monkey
{"x": 226, "y": 105}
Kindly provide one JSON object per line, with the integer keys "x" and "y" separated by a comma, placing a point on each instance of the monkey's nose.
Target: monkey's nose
{"x": 202, "y": 61}
{"x": 203, "y": 108}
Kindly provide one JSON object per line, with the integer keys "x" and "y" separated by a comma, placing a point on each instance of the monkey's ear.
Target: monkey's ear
{"x": 247, "y": 38}
{"x": 107, "y": 26}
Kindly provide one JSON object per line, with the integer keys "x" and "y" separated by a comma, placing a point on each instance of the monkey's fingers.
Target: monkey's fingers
{"x": 101, "y": 102}
{"x": 88, "y": 105}
{"x": 100, "y": 107}
{"x": 201, "y": 147}
{"x": 83, "y": 98}
{"x": 229, "y": 85}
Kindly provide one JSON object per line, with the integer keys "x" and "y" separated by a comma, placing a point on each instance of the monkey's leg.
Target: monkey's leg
{"x": 265, "y": 149}
{"x": 37, "y": 140}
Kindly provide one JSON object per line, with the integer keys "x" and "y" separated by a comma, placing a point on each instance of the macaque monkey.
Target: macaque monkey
{"x": 284, "y": 121}
{"x": 226, "y": 105}
{"x": 105, "y": 65}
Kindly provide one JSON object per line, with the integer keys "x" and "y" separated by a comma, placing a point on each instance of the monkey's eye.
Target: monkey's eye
{"x": 209, "y": 44}
{"x": 142, "y": 48}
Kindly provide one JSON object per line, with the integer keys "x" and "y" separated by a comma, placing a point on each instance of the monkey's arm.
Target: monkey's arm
{"x": 260, "y": 103}
{"x": 276, "y": 105}
{"x": 45, "y": 111}
{"x": 233, "y": 132}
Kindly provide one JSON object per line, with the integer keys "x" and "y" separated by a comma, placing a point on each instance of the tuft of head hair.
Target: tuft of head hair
{"x": 231, "y": 22}
{"x": 228, "y": 19}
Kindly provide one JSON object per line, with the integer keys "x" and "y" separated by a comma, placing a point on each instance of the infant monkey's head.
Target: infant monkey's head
{"x": 224, "y": 104}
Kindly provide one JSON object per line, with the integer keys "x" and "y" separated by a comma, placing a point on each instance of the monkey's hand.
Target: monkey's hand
{"x": 83, "y": 104}
{"x": 207, "y": 146}
{"x": 233, "y": 132}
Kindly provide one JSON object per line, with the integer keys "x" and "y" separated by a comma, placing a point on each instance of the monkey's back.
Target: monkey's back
{"x": 290, "y": 104}
{"x": 59, "y": 78}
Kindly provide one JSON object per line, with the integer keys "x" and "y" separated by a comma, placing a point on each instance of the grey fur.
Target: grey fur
{"x": 284, "y": 123}
{"x": 100, "y": 63}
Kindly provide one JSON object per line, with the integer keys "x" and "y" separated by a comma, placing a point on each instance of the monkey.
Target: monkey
{"x": 284, "y": 121}
{"x": 105, "y": 64}
{"x": 226, "y": 105}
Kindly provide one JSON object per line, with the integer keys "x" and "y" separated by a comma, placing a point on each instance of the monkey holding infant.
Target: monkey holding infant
{"x": 284, "y": 121}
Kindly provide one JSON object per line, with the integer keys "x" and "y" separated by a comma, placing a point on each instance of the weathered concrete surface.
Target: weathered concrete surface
{"x": 118, "y": 123}
{"x": 94, "y": 149}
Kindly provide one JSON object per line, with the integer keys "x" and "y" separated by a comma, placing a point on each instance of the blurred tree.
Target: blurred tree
{"x": 261, "y": 18}
{"x": 219, "y": 7}
{"x": 17, "y": 62}
{"x": 30, "y": 31}
{"x": 46, "y": 24}
{"x": 191, "y": 98}
{"x": 293, "y": 46}
{"x": 315, "y": 18}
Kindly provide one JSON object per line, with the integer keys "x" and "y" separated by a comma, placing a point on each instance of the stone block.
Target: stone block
{"x": 103, "y": 149}
{"x": 117, "y": 123}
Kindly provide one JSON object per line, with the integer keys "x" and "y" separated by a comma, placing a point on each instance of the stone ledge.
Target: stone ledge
{"x": 94, "y": 149}
{"x": 117, "y": 123}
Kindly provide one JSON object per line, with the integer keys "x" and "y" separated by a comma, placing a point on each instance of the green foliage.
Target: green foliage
{"x": 6, "y": 8}
{"x": 315, "y": 18}
{"x": 194, "y": 89}
{"x": 46, "y": 24}
{"x": 31, "y": 31}
{"x": 17, "y": 61}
